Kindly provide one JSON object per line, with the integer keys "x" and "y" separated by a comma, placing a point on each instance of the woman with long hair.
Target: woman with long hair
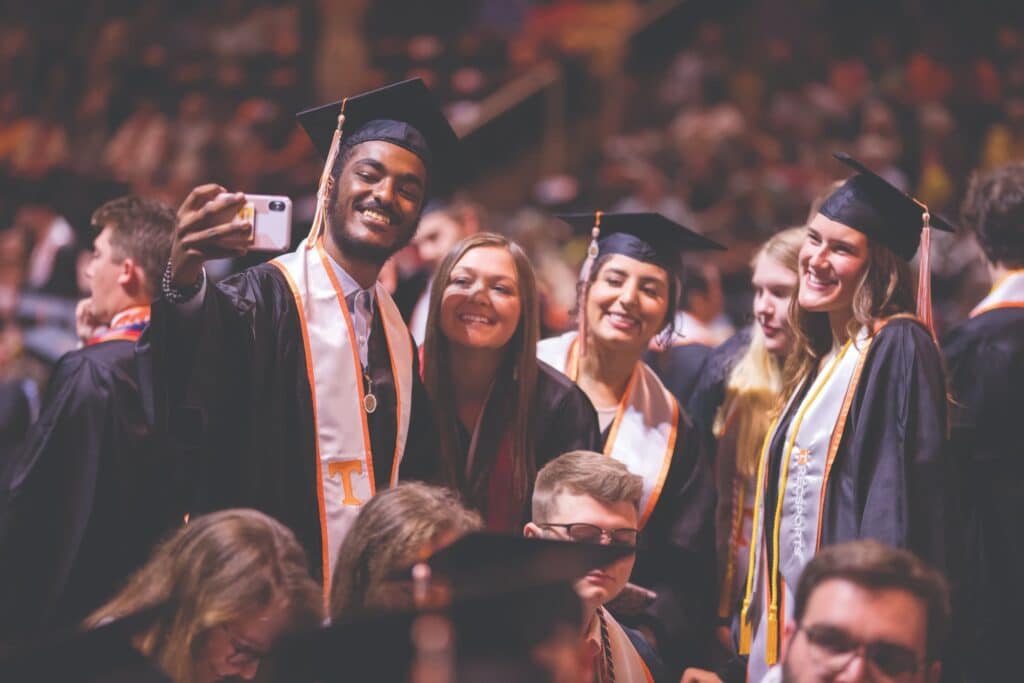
{"x": 394, "y": 530}
{"x": 857, "y": 449}
{"x": 221, "y": 591}
{"x": 732, "y": 405}
{"x": 628, "y": 294}
{"x": 501, "y": 414}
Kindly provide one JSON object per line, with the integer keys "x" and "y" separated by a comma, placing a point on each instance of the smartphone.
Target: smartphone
{"x": 271, "y": 217}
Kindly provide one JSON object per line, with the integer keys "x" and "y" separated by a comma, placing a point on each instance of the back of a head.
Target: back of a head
{"x": 994, "y": 209}
{"x": 396, "y": 528}
{"x": 874, "y": 566}
{"x": 584, "y": 473}
{"x": 218, "y": 568}
{"x": 141, "y": 229}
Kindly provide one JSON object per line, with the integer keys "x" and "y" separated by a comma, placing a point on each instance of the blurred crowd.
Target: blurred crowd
{"x": 733, "y": 137}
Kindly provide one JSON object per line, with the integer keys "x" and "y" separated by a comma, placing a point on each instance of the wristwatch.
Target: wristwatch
{"x": 179, "y": 295}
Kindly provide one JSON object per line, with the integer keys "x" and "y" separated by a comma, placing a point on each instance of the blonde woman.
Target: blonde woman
{"x": 733, "y": 404}
{"x": 222, "y": 591}
{"x": 859, "y": 447}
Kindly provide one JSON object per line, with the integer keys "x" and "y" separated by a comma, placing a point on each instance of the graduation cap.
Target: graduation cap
{"x": 872, "y": 205}
{"x": 482, "y": 563}
{"x": 404, "y": 114}
{"x": 648, "y": 237}
{"x": 507, "y": 595}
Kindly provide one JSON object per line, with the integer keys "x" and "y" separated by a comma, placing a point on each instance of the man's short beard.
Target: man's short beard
{"x": 362, "y": 251}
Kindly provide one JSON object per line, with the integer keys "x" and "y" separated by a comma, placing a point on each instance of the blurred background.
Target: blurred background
{"x": 721, "y": 114}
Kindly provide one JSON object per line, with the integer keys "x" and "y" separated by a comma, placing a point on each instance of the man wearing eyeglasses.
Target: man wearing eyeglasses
{"x": 586, "y": 497}
{"x": 865, "y": 612}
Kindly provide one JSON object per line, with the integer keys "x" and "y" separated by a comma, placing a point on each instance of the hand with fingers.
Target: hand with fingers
{"x": 693, "y": 675}
{"x": 208, "y": 228}
{"x": 86, "y": 322}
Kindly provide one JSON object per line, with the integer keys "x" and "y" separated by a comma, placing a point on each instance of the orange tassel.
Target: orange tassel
{"x": 924, "y": 276}
{"x": 588, "y": 264}
{"x": 323, "y": 189}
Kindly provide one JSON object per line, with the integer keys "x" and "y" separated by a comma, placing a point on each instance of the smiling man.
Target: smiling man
{"x": 295, "y": 383}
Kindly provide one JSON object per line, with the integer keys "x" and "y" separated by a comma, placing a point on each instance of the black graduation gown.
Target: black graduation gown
{"x": 676, "y": 557}
{"x": 891, "y": 478}
{"x": 678, "y": 368}
{"x": 89, "y": 494}
{"x": 565, "y": 421}
{"x": 232, "y": 381}
{"x": 985, "y": 357}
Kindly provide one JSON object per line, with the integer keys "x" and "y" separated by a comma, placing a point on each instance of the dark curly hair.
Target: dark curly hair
{"x": 994, "y": 210}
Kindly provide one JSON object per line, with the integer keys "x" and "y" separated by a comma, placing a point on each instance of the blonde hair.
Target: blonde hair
{"x": 584, "y": 473}
{"x": 518, "y": 372}
{"x": 755, "y": 382}
{"x": 220, "y": 567}
{"x": 391, "y": 533}
{"x": 886, "y": 289}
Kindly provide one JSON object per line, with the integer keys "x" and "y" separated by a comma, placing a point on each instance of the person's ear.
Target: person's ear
{"x": 531, "y": 530}
{"x": 130, "y": 276}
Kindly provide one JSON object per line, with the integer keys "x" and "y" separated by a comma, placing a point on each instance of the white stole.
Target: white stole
{"x": 345, "y": 479}
{"x": 643, "y": 434}
{"x": 809, "y": 449}
{"x": 1007, "y": 293}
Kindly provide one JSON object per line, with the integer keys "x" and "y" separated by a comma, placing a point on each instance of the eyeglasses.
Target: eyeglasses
{"x": 834, "y": 649}
{"x": 591, "y": 533}
{"x": 243, "y": 654}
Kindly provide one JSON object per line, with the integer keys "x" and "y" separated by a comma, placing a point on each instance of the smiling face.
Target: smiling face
{"x": 833, "y": 260}
{"x": 481, "y": 305}
{"x": 627, "y": 303}
{"x": 377, "y": 200}
{"x": 774, "y": 285}
{"x": 237, "y": 647}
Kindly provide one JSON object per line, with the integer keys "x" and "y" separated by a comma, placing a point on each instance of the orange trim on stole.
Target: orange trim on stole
{"x": 324, "y": 547}
{"x": 355, "y": 358}
{"x": 665, "y": 464}
{"x": 993, "y": 307}
{"x": 837, "y": 437}
{"x": 398, "y": 403}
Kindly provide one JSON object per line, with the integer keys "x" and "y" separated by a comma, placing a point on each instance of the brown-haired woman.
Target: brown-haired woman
{"x": 395, "y": 529}
{"x": 858, "y": 449}
{"x": 222, "y": 590}
{"x": 628, "y": 295}
{"x": 501, "y": 413}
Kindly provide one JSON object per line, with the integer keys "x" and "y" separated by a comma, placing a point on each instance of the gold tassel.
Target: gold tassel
{"x": 588, "y": 264}
{"x": 924, "y": 274}
{"x": 323, "y": 189}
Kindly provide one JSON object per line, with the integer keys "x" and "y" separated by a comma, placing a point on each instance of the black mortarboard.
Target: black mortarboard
{"x": 404, "y": 114}
{"x": 483, "y": 563}
{"x": 486, "y": 638}
{"x": 872, "y": 205}
{"x": 101, "y": 655}
{"x": 647, "y": 237}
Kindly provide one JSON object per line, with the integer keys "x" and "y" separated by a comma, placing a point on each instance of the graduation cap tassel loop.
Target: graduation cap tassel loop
{"x": 588, "y": 264}
{"x": 323, "y": 189}
{"x": 924, "y": 275}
